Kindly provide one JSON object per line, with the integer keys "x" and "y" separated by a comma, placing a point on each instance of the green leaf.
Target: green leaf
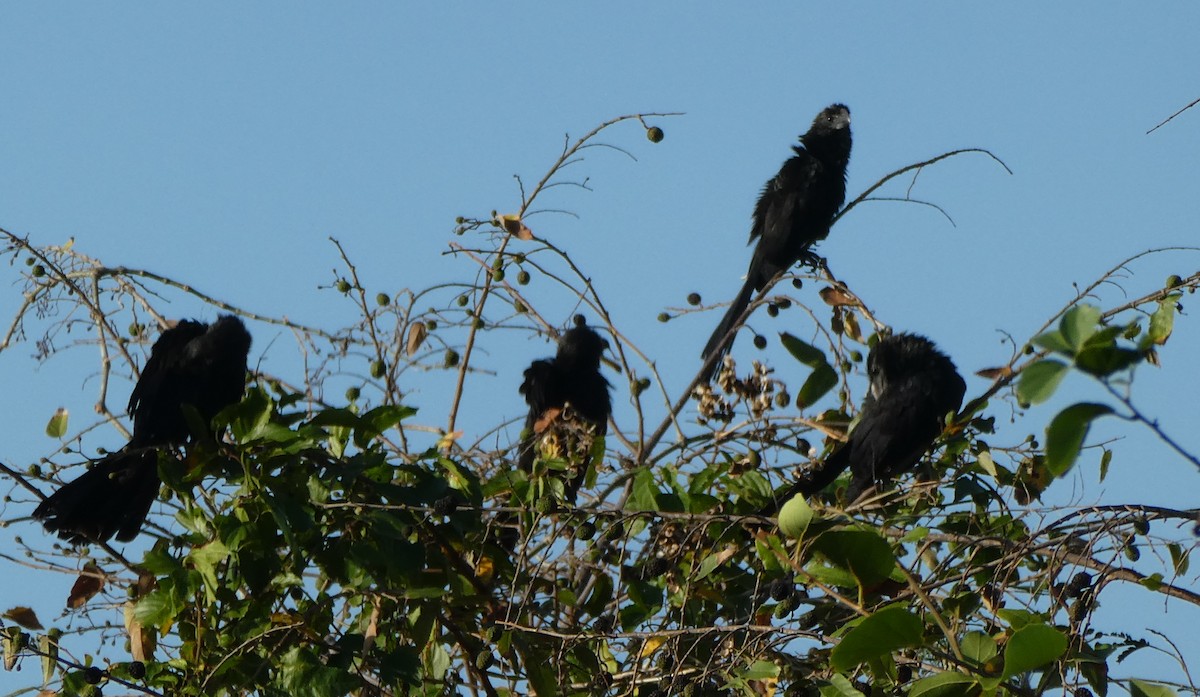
{"x": 862, "y": 552}
{"x": 1039, "y": 380}
{"x": 1141, "y": 688}
{"x": 1179, "y": 558}
{"x": 1032, "y": 647}
{"x": 1066, "y": 433}
{"x": 644, "y": 495}
{"x": 1162, "y": 322}
{"x": 57, "y": 426}
{"x": 945, "y": 685}
{"x": 823, "y": 378}
{"x": 1019, "y": 618}
{"x": 1153, "y": 581}
{"x": 1105, "y": 461}
{"x": 205, "y": 560}
{"x": 1078, "y": 324}
{"x": 1103, "y": 361}
{"x": 709, "y": 564}
{"x": 1054, "y": 340}
{"x": 979, "y": 647}
{"x": 839, "y": 686}
{"x": 881, "y": 633}
{"x": 795, "y": 516}
{"x": 760, "y": 670}
{"x": 377, "y": 421}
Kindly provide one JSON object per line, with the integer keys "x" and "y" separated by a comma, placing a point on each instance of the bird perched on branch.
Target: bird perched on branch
{"x": 913, "y": 387}
{"x": 794, "y": 212}
{"x": 569, "y": 405}
{"x": 193, "y": 366}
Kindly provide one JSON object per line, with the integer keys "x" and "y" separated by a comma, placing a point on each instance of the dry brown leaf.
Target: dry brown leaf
{"x": 512, "y": 225}
{"x": 836, "y": 297}
{"x": 548, "y": 417}
{"x": 24, "y": 616}
{"x": 995, "y": 373}
{"x": 417, "y": 331}
{"x": 89, "y": 583}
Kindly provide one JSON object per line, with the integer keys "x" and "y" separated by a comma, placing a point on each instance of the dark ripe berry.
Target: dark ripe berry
{"x": 797, "y": 283}
{"x": 784, "y": 303}
{"x": 93, "y": 675}
{"x": 522, "y": 277}
{"x": 1080, "y": 582}
{"x": 655, "y": 134}
{"x": 760, "y": 341}
{"x": 39, "y": 271}
{"x": 352, "y": 394}
{"x": 693, "y": 299}
{"x": 450, "y": 359}
{"x": 585, "y": 531}
{"x": 296, "y": 594}
{"x": 444, "y": 506}
{"x": 781, "y": 589}
{"x": 378, "y": 369}
{"x": 663, "y": 317}
{"x": 603, "y": 624}
{"x": 772, "y": 309}
{"x": 137, "y": 670}
{"x": 1083, "y": 692}
{"x": 904, "y": 674}
{"x": 382, "y": 299}
{"x": 657, "y": 567}
{"x": 342, "y": 285}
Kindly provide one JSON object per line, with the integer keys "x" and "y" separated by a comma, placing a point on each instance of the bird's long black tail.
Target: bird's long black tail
{"x": 112, "y": 498}
{"x": 717, "y": 345}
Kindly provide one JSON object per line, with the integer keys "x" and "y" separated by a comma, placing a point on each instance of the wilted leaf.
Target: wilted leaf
{"x": 48, "y": 645}
{"x": 88, "y": 584}
{"x": 24, "y": 616}
{"x": 850, "y": 326}
{"x": 141, "y": 640}
{"x": 56, "y": 427}
{"x": 995, "y": 373}
{"x": 417, "y": 331}
{"x": 878, "y": 635}
{"x": 650, "y": 645}
{"x": 1039, "y": 380}
{"x": 837, "y": 297}
{"x": 11, "y": 638}
{"x": 512, "y": 225}
{"x": 1066, "y": 433}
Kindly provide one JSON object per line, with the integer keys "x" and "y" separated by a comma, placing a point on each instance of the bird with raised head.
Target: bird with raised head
{"x": 794, "y": 212}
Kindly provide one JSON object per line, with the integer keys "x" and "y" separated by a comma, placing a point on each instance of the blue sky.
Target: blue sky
{"x": 223, "y": 146}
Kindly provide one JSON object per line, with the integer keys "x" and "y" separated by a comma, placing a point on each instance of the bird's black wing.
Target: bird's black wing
{"x": 154, "y": 402}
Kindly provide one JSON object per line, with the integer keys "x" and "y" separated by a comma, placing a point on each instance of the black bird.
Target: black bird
{"x": 913, "y": 387}
{"x": 569, "y": 405}
{"x": 794, "y": 212}
{"x": 192, "y": 366}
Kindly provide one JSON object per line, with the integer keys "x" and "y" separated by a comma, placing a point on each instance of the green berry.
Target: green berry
{"x": 450, "y": 359}
{"x": 655, "y": 134}
{"x": 664, "y": 317}
{"x": 522, "y": 277}
{"x": 342, "y": 285}
{"x": 352, "y": 394}
{"x": 693, "y": 299}
{"x": 378, "y": 369}
{"x": 39, "y": 271}
{"x": 382, "y": 299}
